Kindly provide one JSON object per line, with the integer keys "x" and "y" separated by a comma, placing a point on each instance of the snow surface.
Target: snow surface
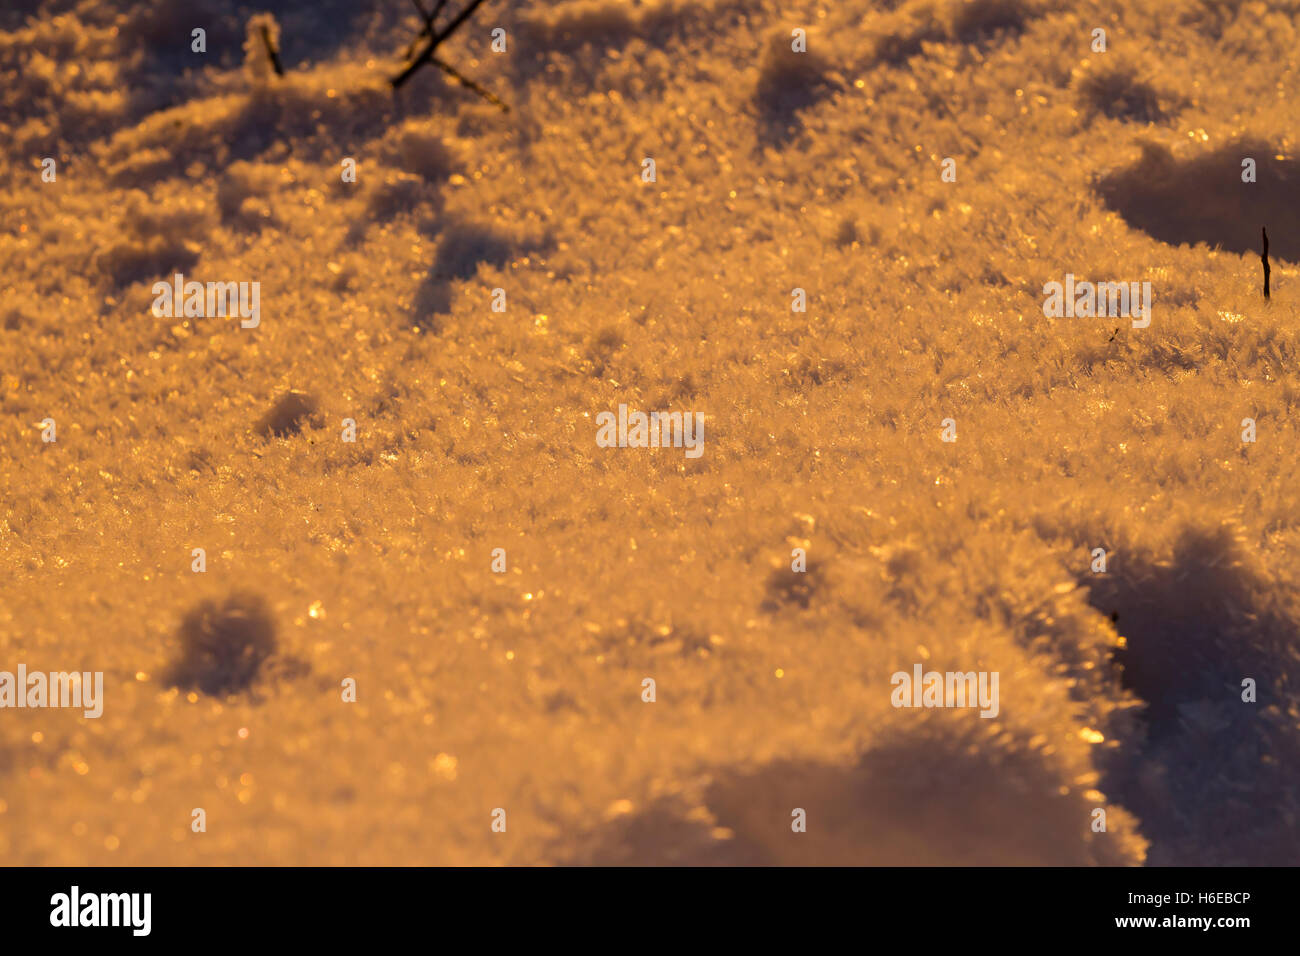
{"x": 522, "y": 690}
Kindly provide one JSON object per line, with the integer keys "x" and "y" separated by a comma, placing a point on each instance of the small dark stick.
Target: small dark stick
{"x": 466, "y": 82}
{"x": 272, "y": 52}
{"x": 1264, "y": 258}
{"x": 1112, "y": 336}
{"x": 427, "y": 29}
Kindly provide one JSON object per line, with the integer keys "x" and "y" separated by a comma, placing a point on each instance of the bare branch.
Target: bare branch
{"x": 470, "y": 84}
{"x": 426, "y": 54}
{"x": 427, "y": 29}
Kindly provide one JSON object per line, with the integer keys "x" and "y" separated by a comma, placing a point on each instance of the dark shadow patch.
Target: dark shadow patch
{"x": 1203, "y": 200}
{"x": 224, "y": 645}
{"x": 463, "y": 248}
{"x": 242, "y": 193}
{"x": 426, "y": 154}
{"x": 142, "y": 258}
{"x": 393, "y": 194}
{"x": 199, "y": 460}
{"x": 663, "y": 834}
{"x": 916, "y": 802}
{"x": 161, "y": 34}
{"x": 154, "y": 241}
{"x": 584, "y": 33}
{"x": 288, "y": 415}
{"x": 980, "y": 22}
{"x": 151, "y": 51}
{"x": 897, "y": 48}
{"x": 324, "y": 25}
{"x": 308, "y": 32}
{"x": 788, "y": 83}
{"x": 14, "y": 13}
{"x": 1212, "y": 18}
{"x": 1118, "y": 92}
{"x": 208, "y": 136}
{"x": 789, "y": 588}
{"x": 1204, "y": 763}
{"x": 846, "y": 232}
{"x": 140, "y": 169}
{"x": 602, "y": 349}
{"x": 602, "y": 26}
{"x": 899, "y": 807}
{"x": 1178, "y": 619}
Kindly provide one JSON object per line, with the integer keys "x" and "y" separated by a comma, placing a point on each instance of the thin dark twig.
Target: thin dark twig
{"x": 1264, "y": 258}
{"x": 427, "y": 29}
{"x": 272, "y": 52}
{"x": 426, "y": 54}
{"x": 467, "y": 82}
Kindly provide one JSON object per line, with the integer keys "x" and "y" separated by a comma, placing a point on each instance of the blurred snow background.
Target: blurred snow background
{"x": 476, "y": 430}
